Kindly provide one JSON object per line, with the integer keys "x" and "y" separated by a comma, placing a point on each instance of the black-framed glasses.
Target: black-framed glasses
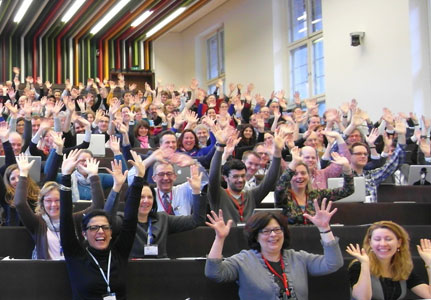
{"x": 276, "y": 230}
{"x": 163, "y": 174}
{"x": 97, "y": 227}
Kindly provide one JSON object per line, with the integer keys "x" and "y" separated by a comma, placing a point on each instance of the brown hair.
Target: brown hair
{"x": 32, "y": 191}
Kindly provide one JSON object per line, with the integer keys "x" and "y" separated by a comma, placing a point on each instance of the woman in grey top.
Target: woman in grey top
{"x": 269, "y": 270}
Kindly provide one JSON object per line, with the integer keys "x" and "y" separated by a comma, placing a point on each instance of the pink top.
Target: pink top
{"x": 320, "y": 177}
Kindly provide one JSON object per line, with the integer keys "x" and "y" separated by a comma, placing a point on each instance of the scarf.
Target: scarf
{"x": 143, "y": 142}
{"x": 78, "y": 179}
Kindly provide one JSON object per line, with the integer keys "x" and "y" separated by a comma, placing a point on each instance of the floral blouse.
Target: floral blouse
{"x": 285, "y": 199}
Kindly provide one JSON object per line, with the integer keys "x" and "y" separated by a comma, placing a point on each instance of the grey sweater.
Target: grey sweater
{"x": 219, "y": 199}
{"x": 256, "y": 281}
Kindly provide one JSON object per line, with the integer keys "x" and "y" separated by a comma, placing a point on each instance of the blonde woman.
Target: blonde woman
{"x": 383, "y": 268}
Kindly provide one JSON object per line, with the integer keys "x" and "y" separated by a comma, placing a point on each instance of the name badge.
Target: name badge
{"x": 151, "y": 250}
{"x": 110, "y": 296}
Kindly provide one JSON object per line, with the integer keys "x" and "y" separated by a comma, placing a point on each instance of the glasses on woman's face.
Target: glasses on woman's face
{"x": 96, "y": 228}
{"x": 268, "y": 231}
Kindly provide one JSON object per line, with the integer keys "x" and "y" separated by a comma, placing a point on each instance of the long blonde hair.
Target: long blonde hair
{"x": 401, "y": 263}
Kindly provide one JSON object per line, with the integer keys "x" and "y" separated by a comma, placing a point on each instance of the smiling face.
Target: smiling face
{"x": 189, "y": 141}
{"x": 271, "y": 243}
{"x": 359, "y": 157}
{"x": 248, "y": 133}
{"x": 202, "y": 135}
{"x": 164, "y": 176}
{"x": 253, "y": 165}
{"x": 98, "y": 239}
{"x": 236, "y": 180}
{"x": 82, "y": 162}
{"x": 168, "y": 141}
{"x": 143, "y": 131}
{"x": 51, "y": 204}
{"x": 300, "y": 178}
{"x": 14, "y": 178}
{"x": 146, "y": 203}
{"x": 384, "y": 243}
{"x": 309, "y": 157}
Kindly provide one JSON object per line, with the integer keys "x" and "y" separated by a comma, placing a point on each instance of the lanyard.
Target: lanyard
{"x": 163, "y": 204}
{"x": 106, "y": 278}
{"x": 296, "y": 201}
{"x": 239, "y": 206}
{"x": 56, "y": 234}
{"x": 282, "y": 277}
{"x": 149, "y": 232}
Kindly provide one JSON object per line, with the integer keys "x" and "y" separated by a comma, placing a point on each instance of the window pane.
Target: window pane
{"x": 212, "y": 52}
{"x": 319, "y": 67}
{"x": 299, "y": 71}
{"x": 221, "y": 51}
{"x": 316, "y": 18}
{"x": 298, "y": 20}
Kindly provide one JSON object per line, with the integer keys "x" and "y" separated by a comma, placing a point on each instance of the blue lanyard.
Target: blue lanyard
{"x": 149, "y": 232}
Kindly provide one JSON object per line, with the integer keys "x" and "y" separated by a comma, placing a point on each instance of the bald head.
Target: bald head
{"x": 15, "y": 140}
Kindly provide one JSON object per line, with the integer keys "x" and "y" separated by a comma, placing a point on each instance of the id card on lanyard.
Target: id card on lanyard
{"x": 149, "y": 248}
{"x": 108, "y": 295}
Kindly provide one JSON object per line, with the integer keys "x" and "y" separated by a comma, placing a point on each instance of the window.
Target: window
{"x": 215, "y": 58}
{"x": 307, "y": 74}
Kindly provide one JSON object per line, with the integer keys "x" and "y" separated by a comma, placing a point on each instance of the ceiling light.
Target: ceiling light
{"x": 115, "y": 10}
{"x": 162, "y": 24}
{"x": 22, "y": 10}
{"x": 72, "y": 10}
{"x": 142, "y": 18}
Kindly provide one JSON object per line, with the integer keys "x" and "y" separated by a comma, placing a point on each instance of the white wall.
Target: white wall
{"x": 391, "y": 68}
{"x": 248, "y": 46}
{"x": 379, "y": 72}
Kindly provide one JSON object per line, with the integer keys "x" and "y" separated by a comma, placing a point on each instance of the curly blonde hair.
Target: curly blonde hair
{"x": 401, "y": 262}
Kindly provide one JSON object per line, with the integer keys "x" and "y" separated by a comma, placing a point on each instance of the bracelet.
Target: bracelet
{"x": 220, "y": 145}
{"x": 65, "y": 188}
{"x": 327, "y": 231}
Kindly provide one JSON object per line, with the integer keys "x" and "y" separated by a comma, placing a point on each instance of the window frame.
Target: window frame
{"x": 219, "y": 33}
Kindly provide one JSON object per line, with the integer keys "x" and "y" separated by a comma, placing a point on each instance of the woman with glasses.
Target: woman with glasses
{"x": 295, "y": 195}
{"x": 98, "y": 269}
{"x": 383, "y": 267}
{"x": 269, "y": 270}
{"x": 44, "y": 223}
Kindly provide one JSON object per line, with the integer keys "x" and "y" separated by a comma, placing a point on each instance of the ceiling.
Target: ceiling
{"x": 42, "y": 45}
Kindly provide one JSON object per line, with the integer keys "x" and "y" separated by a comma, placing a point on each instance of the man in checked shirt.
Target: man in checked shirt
{"x": 373, "y": 178}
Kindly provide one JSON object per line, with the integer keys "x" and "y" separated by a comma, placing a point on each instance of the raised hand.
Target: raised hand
{"x": 217, "y": 223}
{"x": 400, "y": 126}
{"x": 57, "y": 108}
{"x": 114, "y": 144}
{"x": 92, "y": 167}
{"x": 341, "y": 161}
{"x": 27, "y": 108}
{"x": 117, "y": 174}
{"x": 296, "y": 154}
{"x": 4, "y": 131}
{"x": 358, "y": 253}
{"x": 138, "y": 164}
{"x": 195, "y": 179}
{"x": 424, "y": 250}
{"x": 424, "y": 146}
{"x": 323, "y": 214}
{"x": 372, "y": 137}
{"x": 57, "y": 140}
{"x": 194, "y": 84}
{"x": 24, "y": 165}
{"x": 70, "y": 161}
{"x": 81, "y": 104}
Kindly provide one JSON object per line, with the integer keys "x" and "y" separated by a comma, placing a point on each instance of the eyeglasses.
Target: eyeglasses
{"x": 360, "y": 153}
{"x": 162, "y": 174}
{"x": 276, "y": 230}
{"x": 96, "y": 228}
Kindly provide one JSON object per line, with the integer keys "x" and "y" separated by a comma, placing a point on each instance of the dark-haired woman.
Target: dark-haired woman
{"x": 154, "y": 227}
{"x": 269, "y": 270}
{"x": 98, "y": 269}
{"x": 142, "y": 135}
{"x": 188, "y": 143}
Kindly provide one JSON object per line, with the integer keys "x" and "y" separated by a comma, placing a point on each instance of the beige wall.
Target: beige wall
{"x": 391, "y": 68}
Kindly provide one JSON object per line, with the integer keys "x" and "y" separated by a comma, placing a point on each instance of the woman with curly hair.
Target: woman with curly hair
{"x": 383, "y": 268}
